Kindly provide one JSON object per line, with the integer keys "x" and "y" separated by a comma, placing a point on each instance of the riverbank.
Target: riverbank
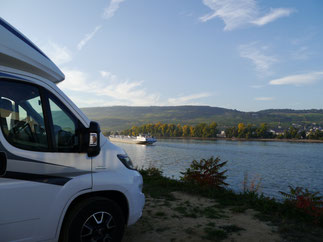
{"x": 243, "y": 139}
{"x": 194, "y": 218}
{"x": 177, "y": 211}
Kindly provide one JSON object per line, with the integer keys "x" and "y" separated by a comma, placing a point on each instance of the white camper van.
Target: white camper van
{"x": 60, "y": 178}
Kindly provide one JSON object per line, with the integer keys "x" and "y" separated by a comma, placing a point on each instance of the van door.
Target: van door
{"x": 40, "y": 138}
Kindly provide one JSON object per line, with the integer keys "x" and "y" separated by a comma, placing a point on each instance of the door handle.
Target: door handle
{"x": 3, "y": 163}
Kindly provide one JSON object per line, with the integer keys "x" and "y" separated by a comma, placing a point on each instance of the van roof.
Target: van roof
{"x": 18, "y": 52}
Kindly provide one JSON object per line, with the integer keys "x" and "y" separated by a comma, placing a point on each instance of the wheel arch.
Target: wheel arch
{"x": 113, "y": 195}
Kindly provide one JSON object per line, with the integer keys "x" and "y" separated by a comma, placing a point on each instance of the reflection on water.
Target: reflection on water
{"x": 279, "y": 164}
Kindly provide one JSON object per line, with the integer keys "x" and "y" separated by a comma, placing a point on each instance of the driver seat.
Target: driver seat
{"x": 5, "y": 111}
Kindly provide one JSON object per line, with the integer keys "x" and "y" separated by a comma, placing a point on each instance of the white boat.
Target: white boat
{"x": 140, "y": 139}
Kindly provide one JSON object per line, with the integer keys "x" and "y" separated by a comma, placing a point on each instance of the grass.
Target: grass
{"x": 162, "y": 229}
{"x": 160, "y": 214}
{"x": 191, "y": 211}
{"x": 214, "y": 234}
{"x": 231, "y": 228}
{"x": 290, "y": 221}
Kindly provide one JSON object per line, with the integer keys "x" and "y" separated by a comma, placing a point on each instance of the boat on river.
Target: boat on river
{"x": 140, "y": 139}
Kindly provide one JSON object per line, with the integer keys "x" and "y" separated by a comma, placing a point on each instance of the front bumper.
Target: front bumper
{"x": 137, "y": 202}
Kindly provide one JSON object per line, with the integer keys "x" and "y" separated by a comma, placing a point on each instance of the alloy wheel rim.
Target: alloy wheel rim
{"x": 99, "y": 227}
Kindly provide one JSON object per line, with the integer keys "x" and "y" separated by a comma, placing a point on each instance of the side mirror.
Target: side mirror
{"x": 90, "y": 140}
{"x": 3, "y": 163}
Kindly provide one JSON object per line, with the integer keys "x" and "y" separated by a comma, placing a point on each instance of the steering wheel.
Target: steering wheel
{"x": 21, "y": 126}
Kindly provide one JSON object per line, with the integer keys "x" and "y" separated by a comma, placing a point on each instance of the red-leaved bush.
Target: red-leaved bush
{"x": 309, "y": 202}
{"x": 206, "y": 172}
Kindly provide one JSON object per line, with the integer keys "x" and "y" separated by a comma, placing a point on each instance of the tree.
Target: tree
{"x": 206, "y": 131}
{"x": 231, "y": 132}
{"x": 134, "y": 131}
{"x": 213, "y": 129}
{"x": 186, "y": 130}
{"x": 241, "y": 130}
{"x": 170, "y": 130}
{"x": 192, "y": 131}
{"x": 199, "y": 129}
{"x": 178, "y": 131}
{"x": 164, "y": 128}
{"x": 262, "y": 131}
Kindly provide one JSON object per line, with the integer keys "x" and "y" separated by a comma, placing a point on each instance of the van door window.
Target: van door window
{"x": 64, "y": 127}
{"x": 21, "y": 115}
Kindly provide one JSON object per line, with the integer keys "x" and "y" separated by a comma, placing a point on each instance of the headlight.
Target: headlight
{"x": 125, "y": 159}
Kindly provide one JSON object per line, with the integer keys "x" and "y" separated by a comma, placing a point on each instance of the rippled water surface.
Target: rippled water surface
{"x": 278, "y": 164}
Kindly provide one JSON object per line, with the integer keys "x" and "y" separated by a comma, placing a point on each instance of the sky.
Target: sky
{"x": 248, "y": 55}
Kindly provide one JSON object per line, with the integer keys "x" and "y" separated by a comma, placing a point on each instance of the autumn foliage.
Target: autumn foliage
{"x": 206, "y": 172}
{"x": 171, "y": 130}
{"x": 309, "y": 202}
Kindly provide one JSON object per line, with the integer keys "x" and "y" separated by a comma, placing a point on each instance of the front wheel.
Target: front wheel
{"x": 96, "y": 219}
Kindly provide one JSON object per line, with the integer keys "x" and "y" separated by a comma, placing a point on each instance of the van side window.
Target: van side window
{"x": 64, "y": 127}
{"x": 21, "y": 115}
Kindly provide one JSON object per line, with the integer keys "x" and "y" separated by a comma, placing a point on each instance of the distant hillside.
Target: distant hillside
{"x": 124, "y": 117}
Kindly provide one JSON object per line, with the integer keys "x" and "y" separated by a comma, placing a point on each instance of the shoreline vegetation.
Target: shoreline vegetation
{"x": 244, "y": 139}
{"x": 210, "y": 131}
{"x": 200, "y": 207}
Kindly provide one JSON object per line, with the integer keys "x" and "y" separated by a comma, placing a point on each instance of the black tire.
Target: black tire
{"x": 95, "y": 219}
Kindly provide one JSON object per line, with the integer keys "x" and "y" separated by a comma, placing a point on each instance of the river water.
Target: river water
{"x": 275, "y": 164}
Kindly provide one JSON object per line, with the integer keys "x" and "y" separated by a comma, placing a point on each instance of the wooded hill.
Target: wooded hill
{"x": 124, "y": 117}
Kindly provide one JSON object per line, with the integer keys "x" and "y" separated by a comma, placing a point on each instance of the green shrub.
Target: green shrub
{"x": 151, "y": 172}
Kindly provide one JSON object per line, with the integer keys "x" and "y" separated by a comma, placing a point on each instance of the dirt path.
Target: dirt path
{"x": 193, "y": 218}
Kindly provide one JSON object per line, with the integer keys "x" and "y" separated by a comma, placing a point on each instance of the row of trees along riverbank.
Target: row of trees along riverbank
{"x": 172, "y": 130}
{"x": 253, "y": 132}
{"x": 211, "y": 130}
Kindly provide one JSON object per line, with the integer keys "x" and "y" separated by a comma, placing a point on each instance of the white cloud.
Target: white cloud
{"x": 130, "y": 92}
{"x": 273, "y": 15}
{"x": 234, "y": 13}
{"x": 108, "y": 75}
{"x": 112, "y": 8}
{"x": 75, "y": 80}
{"x": 301, "y": 53}
{"x": 109, "y": 90}
{"x": 264, "y": 98}
{"x": 257, "y": 55}
{"x": 105, "y": 73}
{"x": 184, "y": 100}
{"x": 298, "y": 80}
{"x": 89, "y": 102}
{"x": 88, "y": 37}
{"x": 58, "y": 54}
{"x": 257, "y": 86}
{"x": 238, "y": 13}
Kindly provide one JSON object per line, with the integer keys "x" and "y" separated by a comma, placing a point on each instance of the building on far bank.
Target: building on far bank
{"x": 221, "y": 134}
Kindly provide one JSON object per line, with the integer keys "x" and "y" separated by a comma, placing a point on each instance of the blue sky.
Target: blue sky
{"x": 241, "y": 54}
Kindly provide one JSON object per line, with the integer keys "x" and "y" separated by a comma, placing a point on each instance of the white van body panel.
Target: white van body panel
{"x": 20, "y": 53}
{"x": 33, "y": 209}
{"x": 35, "y": 199}
{"x": 108, "y": 169}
